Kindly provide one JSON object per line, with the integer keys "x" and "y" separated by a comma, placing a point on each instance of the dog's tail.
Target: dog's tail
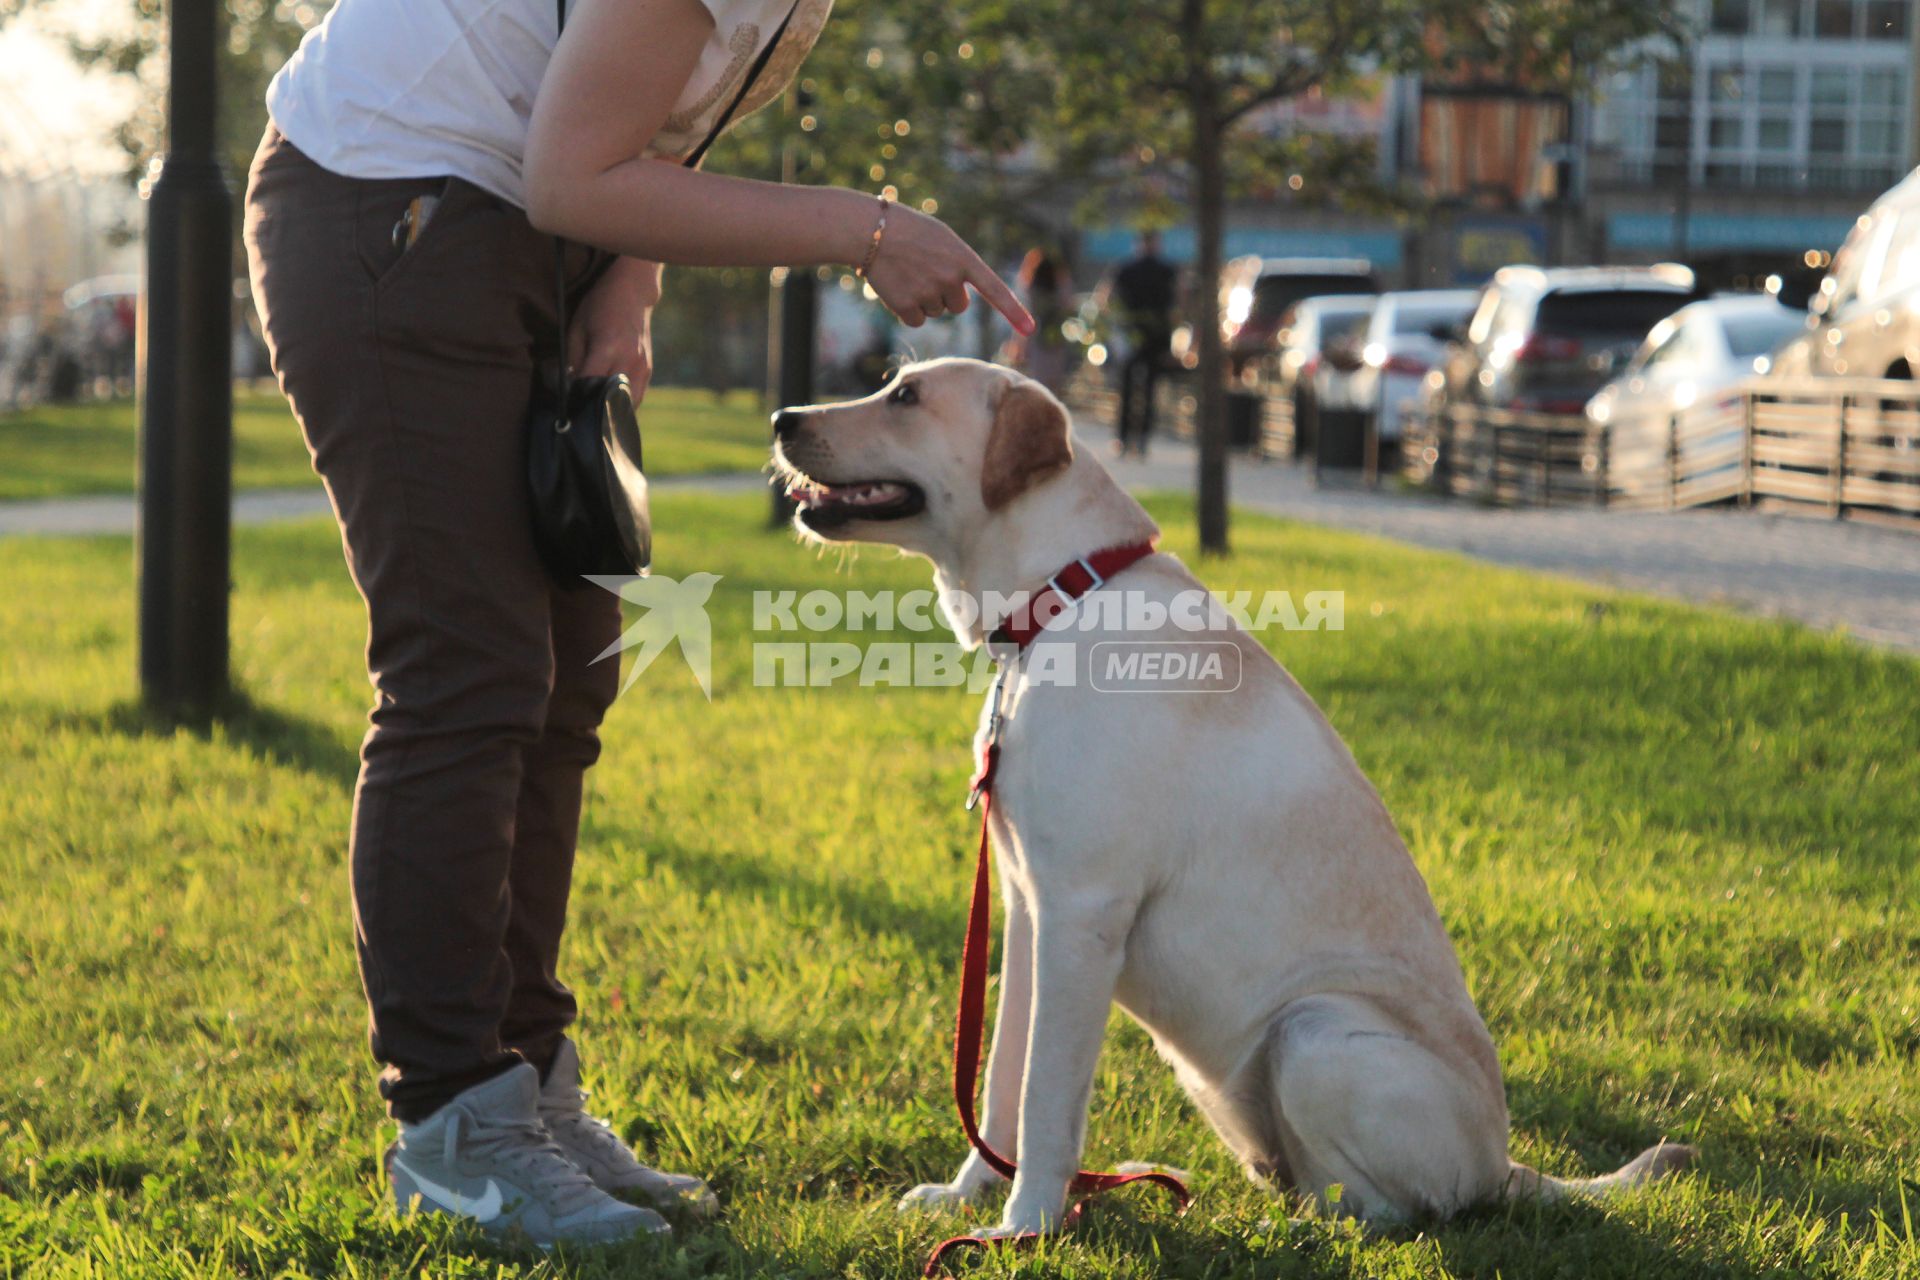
{"x": 1651, "y": 1165}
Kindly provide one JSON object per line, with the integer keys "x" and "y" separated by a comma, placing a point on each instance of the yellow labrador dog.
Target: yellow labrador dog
{"x": 1215, "y": 861}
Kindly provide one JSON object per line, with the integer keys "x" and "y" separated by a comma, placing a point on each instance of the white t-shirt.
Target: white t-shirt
{"x": 422, "y": 88}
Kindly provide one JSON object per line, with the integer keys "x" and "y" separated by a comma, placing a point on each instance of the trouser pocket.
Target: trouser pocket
{"x": 395, "y": 223}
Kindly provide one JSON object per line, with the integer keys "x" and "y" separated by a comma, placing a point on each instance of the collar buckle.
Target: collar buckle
{"x": 1094, "y": 581}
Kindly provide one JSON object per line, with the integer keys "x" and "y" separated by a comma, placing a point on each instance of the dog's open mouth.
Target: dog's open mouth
{"x": 826, "y": 506}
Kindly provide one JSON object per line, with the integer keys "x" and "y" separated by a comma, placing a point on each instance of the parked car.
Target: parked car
{"x": 102, "y": 320}
{"x": 1546, "y": 339}
{"x": 1319, "y": 343}
{"x": 1402, "y": 342}
{"x": 1677, "y": 404}
{"x": 1256, "y": 294}
{"x": 1698, "y": 355}
{"x": 1864, "y": 320}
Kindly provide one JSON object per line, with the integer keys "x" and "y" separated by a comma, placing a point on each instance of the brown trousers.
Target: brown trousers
{"x": 410, "y": 369}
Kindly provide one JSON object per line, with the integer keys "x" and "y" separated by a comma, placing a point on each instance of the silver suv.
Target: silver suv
{"x": 1547, "y": 339}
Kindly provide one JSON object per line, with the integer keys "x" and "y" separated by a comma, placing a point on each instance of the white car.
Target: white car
{"x": 1403, "y": 341}
{"x": 1697, "y": 354}
{"x": 1320, "y": 347}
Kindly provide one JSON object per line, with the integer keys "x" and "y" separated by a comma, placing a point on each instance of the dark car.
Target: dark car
{"x": 1257, "y": 293}
{"x": 1545, "y": 340}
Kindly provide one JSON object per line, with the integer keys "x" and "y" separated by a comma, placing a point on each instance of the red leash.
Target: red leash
{"x": 971, "y": 1024}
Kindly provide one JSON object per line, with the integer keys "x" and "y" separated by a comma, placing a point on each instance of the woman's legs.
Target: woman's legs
{"x": 547, "y": 819}
{"x": 410, "y": 369}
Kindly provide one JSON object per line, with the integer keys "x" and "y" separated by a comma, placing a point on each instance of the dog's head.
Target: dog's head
{"x": 943, "y": 449}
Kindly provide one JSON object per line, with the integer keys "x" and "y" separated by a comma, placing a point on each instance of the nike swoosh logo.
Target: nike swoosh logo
{"x": 482, "y": 1211}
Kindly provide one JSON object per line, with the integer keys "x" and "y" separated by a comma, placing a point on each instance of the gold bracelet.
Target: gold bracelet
{"x": 873, "y": 246}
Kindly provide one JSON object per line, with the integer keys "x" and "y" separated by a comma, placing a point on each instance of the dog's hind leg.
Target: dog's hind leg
{"x": 1000, "y": 1119}
{"x": 1377, "y": 1124}
{"x": 1242, "y": 1111}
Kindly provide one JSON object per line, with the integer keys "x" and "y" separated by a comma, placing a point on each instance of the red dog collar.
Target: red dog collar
{"x": 1088, "y": 573}
{"x": 1011, "y": 638}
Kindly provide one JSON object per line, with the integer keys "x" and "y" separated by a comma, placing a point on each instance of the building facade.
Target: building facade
{"x": 1746, "y": 150}
{"x": 1763, "y": 136}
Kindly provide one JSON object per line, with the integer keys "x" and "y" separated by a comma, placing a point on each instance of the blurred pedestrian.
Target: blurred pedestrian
{"x": 1144, "y": 291}
{"x": 423, "y": 165}
{"x": 1047, "y": 356}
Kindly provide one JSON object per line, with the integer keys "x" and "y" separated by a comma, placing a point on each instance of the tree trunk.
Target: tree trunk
{"x": 1209, "y": 218}
{"x": 990, "y": 247}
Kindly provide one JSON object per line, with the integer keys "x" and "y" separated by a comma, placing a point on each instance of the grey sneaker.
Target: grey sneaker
{"x": 486, "y": 1156}
{"x": 593, "y": 1146}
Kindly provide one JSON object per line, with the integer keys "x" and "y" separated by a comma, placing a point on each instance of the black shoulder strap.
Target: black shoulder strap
{"x": 721, "y": 121}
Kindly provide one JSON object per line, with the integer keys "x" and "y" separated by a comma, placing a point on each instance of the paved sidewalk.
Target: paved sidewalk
{"x": 1827, "y": 573}
{"x": 115, "y": 513}
{"x": 1822, "y": 572}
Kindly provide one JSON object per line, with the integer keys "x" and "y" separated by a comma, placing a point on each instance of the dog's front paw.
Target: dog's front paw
{"x": 939, "y": 1197}
{"x": 1015, "y": 1230}
{"x": 1028, "y": 1214}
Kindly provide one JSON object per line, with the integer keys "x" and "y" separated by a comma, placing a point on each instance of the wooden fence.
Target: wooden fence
{"x": 1852, "y": 449}
{"x": 1845, "y": 447}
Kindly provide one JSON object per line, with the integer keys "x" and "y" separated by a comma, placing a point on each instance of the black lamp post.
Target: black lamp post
{"x": 186, "y": 389}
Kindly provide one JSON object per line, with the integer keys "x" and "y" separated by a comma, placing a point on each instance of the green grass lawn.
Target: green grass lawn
{"x": 59, "y": 451}
{"x": 1676, "y": 850}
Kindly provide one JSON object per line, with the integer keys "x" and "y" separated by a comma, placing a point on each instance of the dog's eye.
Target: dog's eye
{"x": 904, "y": 394}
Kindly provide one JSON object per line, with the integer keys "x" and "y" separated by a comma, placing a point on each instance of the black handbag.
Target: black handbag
{"x": 586, "y": 486}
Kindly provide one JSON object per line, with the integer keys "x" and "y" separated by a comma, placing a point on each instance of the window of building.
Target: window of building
{"x": 1776, "y": 134}
{"x": 1778, "y": 91}
{"x": 1878, "y": 139}
{"x": 1887, "y": 19}
{"x": 1731, "y": 17}
{"x": 1783, "y": 17}
{"x": 1833, "y": 19}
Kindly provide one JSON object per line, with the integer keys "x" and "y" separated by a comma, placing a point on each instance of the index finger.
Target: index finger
{"x": 994, "y": 290}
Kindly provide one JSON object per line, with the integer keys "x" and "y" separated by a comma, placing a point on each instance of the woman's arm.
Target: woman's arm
{"x": 613, "y": 80}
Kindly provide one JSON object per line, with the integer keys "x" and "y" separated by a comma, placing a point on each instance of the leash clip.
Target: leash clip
{"x": 990, "y": 745}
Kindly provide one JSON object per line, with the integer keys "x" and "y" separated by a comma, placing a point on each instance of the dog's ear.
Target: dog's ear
{"x": 1031, "y": 441}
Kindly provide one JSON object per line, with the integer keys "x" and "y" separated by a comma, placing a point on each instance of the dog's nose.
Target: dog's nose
{"x": 785, "y": 423}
